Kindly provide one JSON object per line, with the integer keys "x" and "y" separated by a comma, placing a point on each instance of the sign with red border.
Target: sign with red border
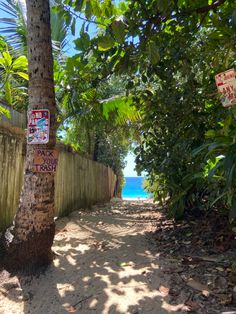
{"x": 38, "y": 126}
{"x": 226, "y": 85}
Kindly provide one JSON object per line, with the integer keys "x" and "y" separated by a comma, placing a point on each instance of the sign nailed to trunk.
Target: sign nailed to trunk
{"x": 226, "y": 84}
{"x": 45, "y": 160}
{"x": 38, "y": 126}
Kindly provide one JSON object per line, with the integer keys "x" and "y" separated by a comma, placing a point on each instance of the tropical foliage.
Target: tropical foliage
{"x": 13, "y": 79}
{"x": 170, "y": 53}
{"x": 13, "y": 27}
{"x": 93, "y": 108}
{"x": 144, "y": 70}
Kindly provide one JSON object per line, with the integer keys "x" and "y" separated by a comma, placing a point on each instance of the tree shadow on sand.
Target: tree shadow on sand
{"x": 102, "y": 265}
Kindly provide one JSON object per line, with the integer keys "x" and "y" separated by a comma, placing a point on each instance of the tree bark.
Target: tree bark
{"x": 26, "y": 245}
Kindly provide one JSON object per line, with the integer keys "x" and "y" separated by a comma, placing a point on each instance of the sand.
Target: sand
{"x": 104, "y": 264}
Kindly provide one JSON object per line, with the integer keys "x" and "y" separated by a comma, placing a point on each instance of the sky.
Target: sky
{"x": 129, "y": 169}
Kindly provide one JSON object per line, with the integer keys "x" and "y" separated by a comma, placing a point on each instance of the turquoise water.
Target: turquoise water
{"x": 133, "y": 188}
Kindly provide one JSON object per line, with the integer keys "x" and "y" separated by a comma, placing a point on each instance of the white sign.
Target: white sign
{"x": 38, "y": 126}
{"x": 226, "y": 84}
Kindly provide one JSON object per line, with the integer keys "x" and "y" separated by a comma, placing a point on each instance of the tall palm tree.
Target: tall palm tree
{"x": 13, "y": 27}
{"x": 27, "y": 244}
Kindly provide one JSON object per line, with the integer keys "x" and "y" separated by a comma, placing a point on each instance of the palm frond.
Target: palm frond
{"x": 122, "y": 107}
{"x": 15, "y": 35}
{"x": 13, "y": 28}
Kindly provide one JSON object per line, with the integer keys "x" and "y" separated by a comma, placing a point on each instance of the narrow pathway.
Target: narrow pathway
{"x": 104, "y": 264}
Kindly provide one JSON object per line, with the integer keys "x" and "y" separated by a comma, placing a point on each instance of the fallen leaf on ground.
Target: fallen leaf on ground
{"x": 232, "y": 278}
{"x": 211, "y": 259}
{"x": 187, "y": 242}
{"x": 164, "y": 290}
{"x": 3, "y": 292}
{"x": 226, "y": 299}
{"x": 71, "y": 309}
{"x": 189, "y": 260}
{"x": 125, "y": 264}
{"x": 198, "y": 286}
{"x": 220, "y": 282}
{"x": 191, "y": 306}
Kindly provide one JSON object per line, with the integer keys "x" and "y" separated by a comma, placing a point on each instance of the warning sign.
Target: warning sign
{"x": 45, "y": 160}
{"x": 38, "y": 126}
{"x": 226, "y": 84}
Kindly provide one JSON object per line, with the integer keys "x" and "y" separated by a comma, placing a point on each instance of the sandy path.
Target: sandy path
{"x": 104, "y": 264}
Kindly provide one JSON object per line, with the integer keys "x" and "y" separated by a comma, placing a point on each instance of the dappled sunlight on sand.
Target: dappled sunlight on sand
{"x": 102, "y": 265}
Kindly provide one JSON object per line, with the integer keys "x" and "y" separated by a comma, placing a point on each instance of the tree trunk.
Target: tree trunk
{"x": 27, "y": 244}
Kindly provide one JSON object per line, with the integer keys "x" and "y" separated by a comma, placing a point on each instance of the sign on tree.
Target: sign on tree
{"x": 226, "y": 84}
{"x": 38, "y": 127}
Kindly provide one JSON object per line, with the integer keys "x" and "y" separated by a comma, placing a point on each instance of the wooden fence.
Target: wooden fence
{"x": 17, "y": 119}
{"x": 80, "y": 182}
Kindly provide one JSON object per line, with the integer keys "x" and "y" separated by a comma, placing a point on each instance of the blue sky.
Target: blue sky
{"x": 129, "y": 169}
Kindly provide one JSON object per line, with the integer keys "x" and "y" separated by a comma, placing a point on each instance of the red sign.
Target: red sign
{"x": 45, "y": 160}
{"x": 38, "y": 126}
{"x": 226, "y": 84}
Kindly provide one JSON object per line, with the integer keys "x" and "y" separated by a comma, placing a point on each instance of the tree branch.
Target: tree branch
{"x": 205, "y": 9}
{"x": 212, "y": 6}
{"x": 67, "y": 9}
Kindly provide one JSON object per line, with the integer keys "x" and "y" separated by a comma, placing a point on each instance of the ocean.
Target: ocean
{"x": 133, "y": 188}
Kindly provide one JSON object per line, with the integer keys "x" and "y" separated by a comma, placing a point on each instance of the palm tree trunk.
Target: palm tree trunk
{"x": 27, "y": 244}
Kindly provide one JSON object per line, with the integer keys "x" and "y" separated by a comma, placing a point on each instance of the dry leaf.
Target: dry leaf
{"x": 211, "y": 259}
{"x": 189, "y": 260}
{"x": 164, "y": 290}
{"x": 125, "y": 264}
{"x": 198, "y": 286}
{"x": 71, "y": 309}
{"x": 187, "y": 242}
{"x": 232, "y": 278}
{"x": 226, "y": 299}
{"x": 220, "y": 282}
{"x": 191, "y": 306}
{"x": 192, "y": 266}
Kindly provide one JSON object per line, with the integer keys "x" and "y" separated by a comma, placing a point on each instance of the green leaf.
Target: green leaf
{"x": 2, "y": 44}
{"x": 123, "y": 107}
{"x": 23, "y": 75}
{"x": 210, "y": 134}
{"x": 153, "y": 53}
{"x": 7, "y": 57}
{"x": 232, "y": 213}
{"x": 73, "y": 27}
{"x": 5, "y": 112}
{"x": 58, "y": 9}
{"x": 234, "y": 20}
{"x": 79, "y": 5}
{"x": 67, "y": 16}
{"x": 88, "y": 10}
{"x": 118, "y": 28}
{"x": 68, "y": 2}
{"x": 21, "y": 63}
{"x": 96, "y": 8}
{"x": 83, "y": 42}
{"x": 105, "y": 43}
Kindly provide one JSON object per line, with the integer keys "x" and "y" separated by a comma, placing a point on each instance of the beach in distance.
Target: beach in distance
{"x": 133, "y": 189}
